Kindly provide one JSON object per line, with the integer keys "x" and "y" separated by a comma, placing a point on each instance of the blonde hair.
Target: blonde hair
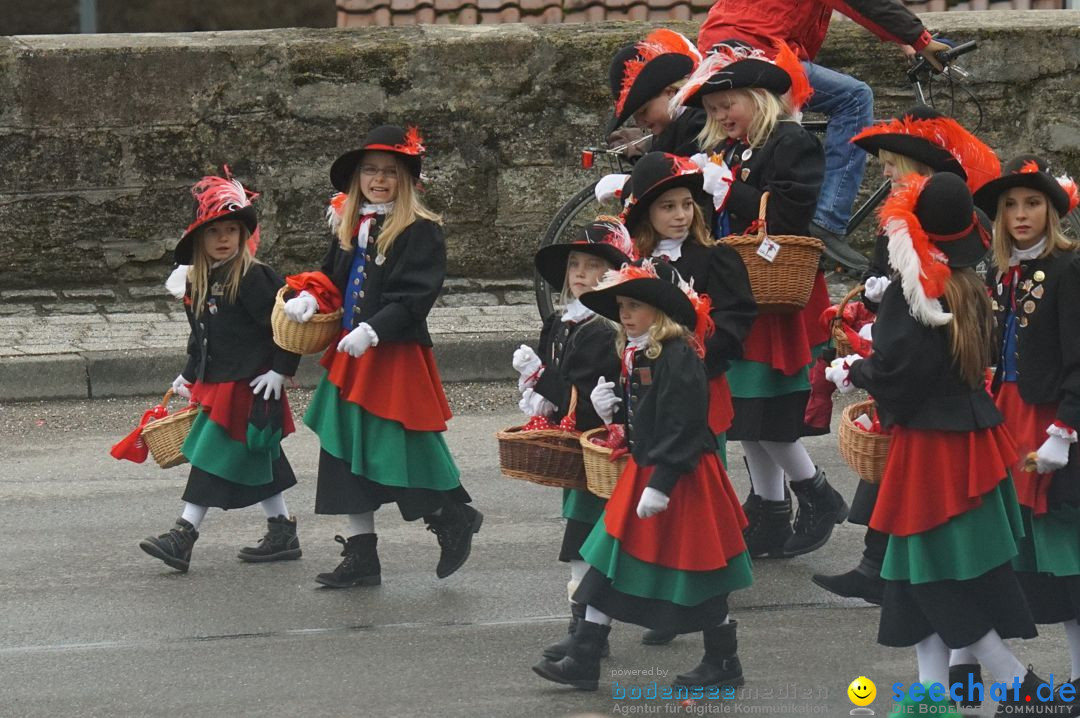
{"x": 565, "y": 296}
{"x": 769, "y": 109}
{"x": 971, "y": 326}
{"x": 646, "y": 238}
{"x": 904, "y": 164}
{"x": 1002, "y": 243}
{"x": 199, "y": 274}
{"x": 408, "y": 207}
{"x": 663, "y": 329}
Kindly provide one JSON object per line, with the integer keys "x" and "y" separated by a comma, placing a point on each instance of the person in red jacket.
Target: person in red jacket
{"x": 848, "y": 102}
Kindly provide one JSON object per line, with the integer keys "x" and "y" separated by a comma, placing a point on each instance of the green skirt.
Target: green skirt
{"x": 964, "y": 547}
{"x": 210, "y": 448}
{"x": 755, "y": 380}
{"x": 380, "y": 450}
{"x": 1051, "y": 542}
{"x": 582, "y": 506}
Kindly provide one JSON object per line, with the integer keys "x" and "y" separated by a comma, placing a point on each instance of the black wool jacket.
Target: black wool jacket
{"x": 790, "y": 166}
{"x": 399, "y": 289}
{"x": 667, "y": 413}
{"x": 912, "y": 377}
{"x": 681, "y": 136}
{"x": 576, "y": 355}
{"x": 231, "y": 341}
{"x": 719, "y": 272}
{"x": 1048, "y": 332}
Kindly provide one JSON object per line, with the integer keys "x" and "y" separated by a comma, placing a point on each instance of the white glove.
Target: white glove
{"x": 652, "y": 502}
{"x": 301, "y": 307}
{"x": 718, "y": 178}
{"x": 525, "y": 361}
{"x": 269, "y": 384}
{"x": 533, "y": 404}
{"x": 837, "y": 372}
{"x": 874, "y": 288}
{"x": 867, "y": 332}
{"x": 609, "y": 187}
{"x": 1054, "y": 452}
{"x": 181, "y": 387}
{"x": 359, "y": 340}
{"x": 604, "y": 400}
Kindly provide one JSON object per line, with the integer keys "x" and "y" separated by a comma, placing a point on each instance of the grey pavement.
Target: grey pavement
{"x": 91, "y": 626}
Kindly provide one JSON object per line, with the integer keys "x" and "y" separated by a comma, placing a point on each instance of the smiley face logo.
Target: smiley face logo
{"x": 862, "y": 691}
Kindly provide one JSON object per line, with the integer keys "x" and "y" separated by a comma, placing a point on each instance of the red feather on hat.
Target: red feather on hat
{"x": 221, "y": 195}
{"x": 414, "y": 143}
{"x": 934, "y": 270}
{"x": 1069, "y": 185}
{"x": 1029, "y": 167}
{"x": 617, "y": 236}
{"x": 657, "y": 43}
{"x": 787, "y": 61}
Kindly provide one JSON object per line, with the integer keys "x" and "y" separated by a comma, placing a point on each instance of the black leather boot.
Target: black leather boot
{"x": 360, "y": 567}
{"x": 174, "y": 546}
{"x": 580, "y": 667}
{"x": 279, "y": 544}
{"x": 720, "y": 666}
{"x": 653, "y": 637}
{"x": 821, "y": 507}
{"x": 454, "y": 528}
{"x": 853, "y": 584}
{"x": 966, "y": 674}
{"x": 558, "y": 650}
{"x": 1028, "y": 702}
{"x": 769, "y": 529}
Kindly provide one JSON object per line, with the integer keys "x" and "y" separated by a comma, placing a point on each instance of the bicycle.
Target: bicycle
{"x": 583, "y": 206}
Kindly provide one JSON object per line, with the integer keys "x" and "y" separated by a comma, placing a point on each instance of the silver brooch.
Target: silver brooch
{"x": 379, "y": 259}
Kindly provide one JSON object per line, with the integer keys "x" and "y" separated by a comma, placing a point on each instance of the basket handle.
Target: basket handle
{"x": 762, "y": 206}
{"x": 165, "y": 399}
{"x": 571, "y": 412}
{"x": 848, "y": 297}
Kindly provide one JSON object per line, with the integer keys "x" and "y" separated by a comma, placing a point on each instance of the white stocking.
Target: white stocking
{"x": 1072, "y": 635}
{"x": 766, "y": 476}
{"x": 996, "y": 656}
{"x": 792, "y": 457}
{"x": 594, "y": 615}
{"x": 193, "y": 514}
{"x": 362, "y": 523}
{"x": 933, "y": 657}
{"x": 275, "y": 506}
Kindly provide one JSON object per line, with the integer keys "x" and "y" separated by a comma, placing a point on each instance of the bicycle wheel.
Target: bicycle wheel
{"x": 576, "y": 212}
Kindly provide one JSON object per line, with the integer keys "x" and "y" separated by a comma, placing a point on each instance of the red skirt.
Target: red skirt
{"x": 1027, "y": 423}
{"x": 229, "y": 406}
{"x": 721, "y": 411}
{"x": 700, "y": 530}
{"x": 784, "y": 341}
{"x": 932, "y": 476}
{"x": 394, "y": 380}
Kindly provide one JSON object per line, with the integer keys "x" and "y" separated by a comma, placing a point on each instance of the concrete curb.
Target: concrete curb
{"x": 103, "y": 374}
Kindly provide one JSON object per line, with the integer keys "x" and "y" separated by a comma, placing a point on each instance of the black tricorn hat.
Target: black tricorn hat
{"x": 406, "y": 144}
{"x": 605, "y": 238}
{"x": 901, "y": 137}
{"x": 217, "y": 199}
{"x": 947, "y": 215}
{"x": 1024, "y": 171}
{"x": 641, "y": 71}
{"x": 654, "y": 174}
{"x": 657, "y": 284}
{"x": 730, "y": 65}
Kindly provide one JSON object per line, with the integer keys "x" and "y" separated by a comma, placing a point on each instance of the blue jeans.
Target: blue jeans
{"x": 849, "y": 105}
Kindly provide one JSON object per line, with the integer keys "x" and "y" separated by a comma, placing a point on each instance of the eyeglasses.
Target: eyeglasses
{"x": 373, "y": 171}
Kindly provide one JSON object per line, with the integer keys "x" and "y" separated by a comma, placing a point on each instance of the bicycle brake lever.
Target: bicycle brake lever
{"x": 621, "y": 149}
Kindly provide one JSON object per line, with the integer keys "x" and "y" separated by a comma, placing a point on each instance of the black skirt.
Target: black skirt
{"x": 596, "y": 590}
{"x": 206, "y": 489}
{"x": 774, "y": 418}
{"x": 1053, "y": 599}
{"x": 573, "y": 539}
{"x": 339, "y": 491}
{"x": 961, "y": 612}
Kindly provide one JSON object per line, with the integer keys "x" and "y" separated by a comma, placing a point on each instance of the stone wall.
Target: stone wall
{"x": 100, "y": 136}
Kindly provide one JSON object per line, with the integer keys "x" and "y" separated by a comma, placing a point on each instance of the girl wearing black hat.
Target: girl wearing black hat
{"x": 380, "y": 410}
{"x": 236, "y": 374}
{"x": 644, "y": 77}
{"x": 946, "y": 500}
{"x": 751, "y": 103}
{"x": 1035, "y": 289}
{"x": 921, "y": 142}
{"x": 577, "y": 347}
{"x": 669, "y": 548}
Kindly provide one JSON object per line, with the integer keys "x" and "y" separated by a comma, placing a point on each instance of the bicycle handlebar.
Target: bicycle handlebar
{"x": 922, "y": 66}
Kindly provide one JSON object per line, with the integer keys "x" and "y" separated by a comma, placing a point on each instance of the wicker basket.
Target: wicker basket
{"x": 864, "y": 451}
{"x": 309, "y": 337}
{"x": 600, "y": 472}
{"x": 836, "y": 326}
{"x": 549, "y": 457}
{"x": 164, "y": 437}
{"x": 783, "y": 285}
